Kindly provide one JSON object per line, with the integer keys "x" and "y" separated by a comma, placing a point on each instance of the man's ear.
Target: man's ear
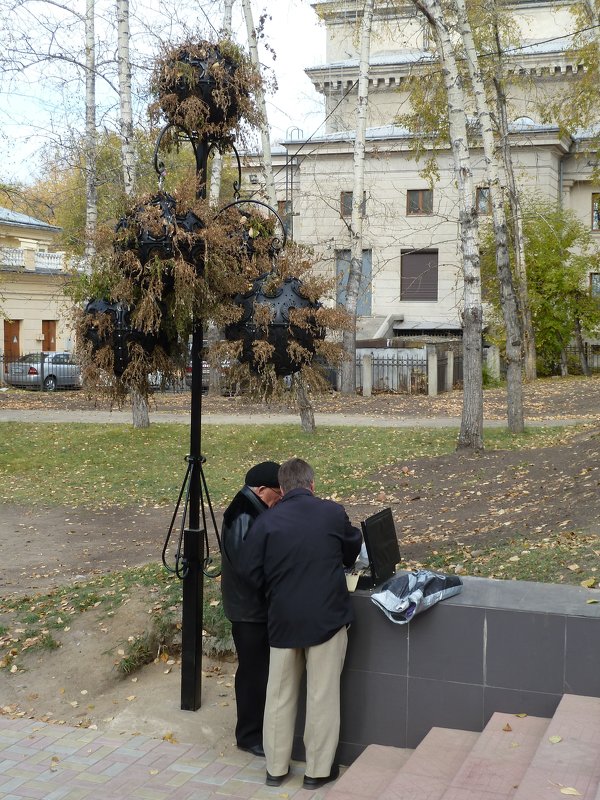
{"x": 312, "y": 486}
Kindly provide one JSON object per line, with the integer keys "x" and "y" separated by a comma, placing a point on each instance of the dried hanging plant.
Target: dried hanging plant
{"x": 171, "y": 262}
{"x": 206, "y": 88}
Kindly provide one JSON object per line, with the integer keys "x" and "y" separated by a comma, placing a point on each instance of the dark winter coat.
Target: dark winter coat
{"x": 241, "y": 602}
{"x": 296, "y": 555}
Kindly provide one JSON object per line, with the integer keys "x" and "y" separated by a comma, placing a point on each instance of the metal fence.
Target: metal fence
{"x": 391, "y": 374}
{"x": 592, "y": 353}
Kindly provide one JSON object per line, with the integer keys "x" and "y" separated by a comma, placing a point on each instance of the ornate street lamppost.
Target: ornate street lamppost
{"x": 197, "y": 83}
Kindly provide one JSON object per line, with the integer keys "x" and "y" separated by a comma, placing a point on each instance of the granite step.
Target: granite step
{"x": 370, "y": 774}
{"x": 428, "y": 772}
{"x": 567, "y": 760}
{"x": 513, "y": 758}
{"x": 499, "y": 759}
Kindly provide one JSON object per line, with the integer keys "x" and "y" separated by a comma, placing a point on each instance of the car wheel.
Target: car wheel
{"x": 50, "y": 383}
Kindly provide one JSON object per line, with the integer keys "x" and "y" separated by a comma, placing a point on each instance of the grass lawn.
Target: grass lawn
{"x": 94, "y": 466}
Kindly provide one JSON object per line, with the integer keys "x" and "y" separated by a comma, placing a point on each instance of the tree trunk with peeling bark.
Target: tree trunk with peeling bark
{"x": 348, "y": 366}
{"x": 471, "y": 428}
{"x": 305, "y": 407}
{"x": 91, "y": 192}
{"x": 515, "y": 207}
{"x": 139, "y": 401}
{"x": 125, "y": 104}
{"x": 260, "y": 100}
{"x": 508, "y": 298}
{"x": 217, "y": 162}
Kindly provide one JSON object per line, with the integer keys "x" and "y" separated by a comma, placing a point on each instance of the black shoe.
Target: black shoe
{"x": 255, "y": 750}
{"x": 315, "y": 783}
{"x": 276, "y": 780}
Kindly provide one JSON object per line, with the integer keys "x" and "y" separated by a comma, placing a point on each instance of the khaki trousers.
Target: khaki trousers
{"x": 323, "y": 663}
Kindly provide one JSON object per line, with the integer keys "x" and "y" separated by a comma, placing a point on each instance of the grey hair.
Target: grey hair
{"x": 295, "y": 474}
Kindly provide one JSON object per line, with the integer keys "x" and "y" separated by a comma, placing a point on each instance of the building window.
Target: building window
{"x": 419, "y": 201}
{"x": 419, "y": 275}
{"x": 596, "y": 211}
{"x": 484, "y": 200}
{"x": 346, "y": 204}
{"x": 595, "y": 284}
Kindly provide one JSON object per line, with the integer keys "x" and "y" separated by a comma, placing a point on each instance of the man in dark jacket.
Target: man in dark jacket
{"x": 296, "y": 555}
{"x": 246, "y": 607}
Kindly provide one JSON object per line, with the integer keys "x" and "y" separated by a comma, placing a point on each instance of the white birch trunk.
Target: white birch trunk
{"x": 91, "y": 192}
{"x": 508, "y": 298}
{"x": 471, "y": 428}
{"x": 217, "y": 161}
{"x": 515, "y": 208}
{"x": 139, "y": 400}
{"x": 126, "y": 122}
{"x": 260, "y": 99}
{"x": 348, "y": 367}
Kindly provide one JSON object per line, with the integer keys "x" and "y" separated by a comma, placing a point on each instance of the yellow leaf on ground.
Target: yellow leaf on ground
{"x": 555, "y": 739}
{"x": 507, "y": 728}
{"x": 520, "y": 715}
{"x": 130, "y": 698}
{"x": 591, "y": 601}
{"x": 574, "y": 567}
{"x": 588, "y": 583}
{"x": 571, "y": 791}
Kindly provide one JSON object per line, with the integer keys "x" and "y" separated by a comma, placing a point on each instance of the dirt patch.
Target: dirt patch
{"x": 78, "y": 684}
{"x": 551, "y": 398}
{"x": 486, "y": 499}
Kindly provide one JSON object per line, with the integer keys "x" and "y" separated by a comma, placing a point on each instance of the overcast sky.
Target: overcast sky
{"x": 32, "y": 110}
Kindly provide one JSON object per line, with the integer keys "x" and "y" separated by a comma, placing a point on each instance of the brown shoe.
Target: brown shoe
{"x": 315, "y": 783}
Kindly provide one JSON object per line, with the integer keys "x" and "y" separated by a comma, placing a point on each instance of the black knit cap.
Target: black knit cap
{"x": 264, "y": 474}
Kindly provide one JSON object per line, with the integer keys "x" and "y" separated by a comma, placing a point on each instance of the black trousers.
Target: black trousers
{"x": 252, "y": 645}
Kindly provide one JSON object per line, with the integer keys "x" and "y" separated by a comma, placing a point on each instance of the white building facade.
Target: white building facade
{"x": 411, "y": 264}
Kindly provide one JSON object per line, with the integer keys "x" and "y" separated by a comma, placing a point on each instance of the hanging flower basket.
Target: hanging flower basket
{"x": 205, "y": 88}
{"x": 269, "y": 327}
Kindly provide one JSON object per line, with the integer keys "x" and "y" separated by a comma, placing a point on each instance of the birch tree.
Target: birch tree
{"x": 267, "y": 161}
{"x": 125, "y": 102}
{"x": 510, "y": 310}
{"x": 91, "y": 192}
{"x": 217, "y": 161}
{"x": 139, "y": 401}
{"x": 471, "y": 429}
{"x": 352, "y": 288}
{"x": 514, "y": 201}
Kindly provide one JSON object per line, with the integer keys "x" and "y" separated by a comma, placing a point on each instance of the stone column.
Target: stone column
{"x": 432, "y": 375}
{"x": 367, "y": 375}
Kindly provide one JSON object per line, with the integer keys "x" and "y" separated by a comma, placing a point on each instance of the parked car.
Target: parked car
{"x": 205, "y": 375}
{"x": 158, "y": 382}
{"x": 46, "y": 370}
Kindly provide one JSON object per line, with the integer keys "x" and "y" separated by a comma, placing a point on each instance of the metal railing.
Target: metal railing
{"x": 392, "y": 374}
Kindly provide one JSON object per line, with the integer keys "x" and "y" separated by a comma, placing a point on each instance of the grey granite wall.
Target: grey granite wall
{"x": 509, "y": 646}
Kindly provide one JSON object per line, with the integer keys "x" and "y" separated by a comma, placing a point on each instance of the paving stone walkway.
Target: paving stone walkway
{"x": 52, "y": 762}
